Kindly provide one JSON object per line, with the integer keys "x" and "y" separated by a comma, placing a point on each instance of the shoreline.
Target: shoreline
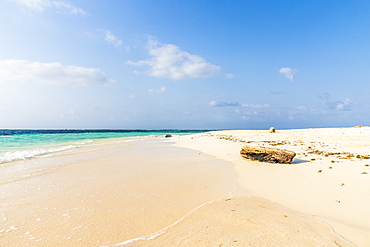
{"x": 106, "y": 196}
{"x": 121, "y": 191}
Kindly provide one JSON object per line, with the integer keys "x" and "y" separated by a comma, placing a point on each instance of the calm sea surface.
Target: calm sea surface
{"x": 25, "y": 144}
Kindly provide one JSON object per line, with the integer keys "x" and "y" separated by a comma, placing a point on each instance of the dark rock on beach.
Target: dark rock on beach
{"x": 269, "y": 155}
{"x": 168, "y": 136}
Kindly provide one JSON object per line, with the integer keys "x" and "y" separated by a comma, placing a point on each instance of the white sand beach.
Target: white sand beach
{"x": 197, "y": 191}
{"x": 328, "y": 179}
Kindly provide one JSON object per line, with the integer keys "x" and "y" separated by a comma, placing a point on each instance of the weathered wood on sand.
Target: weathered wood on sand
{"x": 270, "y": 155}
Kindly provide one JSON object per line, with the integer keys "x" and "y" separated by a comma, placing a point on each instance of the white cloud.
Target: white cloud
{"x": 214, "y": 103}
{"x": 157, "y": 91}
{"x": 327, "y": 104}
{"x": 112, "y": 39}
{"x": 302, "y": 107}
{"x": 256, "y": 105}
{"x": 236, "y": 103}
{"x": 247, "y": 115}
{"x": 229, "y": 76}
{"x": 36, "y": 5}
{"x": 345, "y": 105}
{"x": 41, "y": 5}
{"x": 288, "y": 73}
{"x": 169, "y": 61}
{"x": 71, "y": 9}
{"x": 108, "y": 36}
{"x": 50, "y": 73}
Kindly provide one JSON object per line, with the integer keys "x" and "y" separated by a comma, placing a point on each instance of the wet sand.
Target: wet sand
{"x": 110, "y": 195}
{"x": 245, "y": 221}
{"x": 194, "y": 191}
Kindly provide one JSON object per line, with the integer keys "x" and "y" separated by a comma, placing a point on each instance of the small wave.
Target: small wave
{"x": 84, "y": 142}
{"x": 28, "y": 154}
{"x": 164, "y": 230}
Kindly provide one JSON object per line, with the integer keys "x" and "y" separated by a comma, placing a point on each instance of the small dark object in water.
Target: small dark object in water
{"x": 168, "y": 136}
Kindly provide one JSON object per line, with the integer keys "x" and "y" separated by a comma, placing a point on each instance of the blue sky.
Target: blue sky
{"x": 184, "y": 64}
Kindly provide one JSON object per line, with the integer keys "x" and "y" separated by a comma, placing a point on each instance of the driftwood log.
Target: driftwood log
{"x": 270, "y": 155}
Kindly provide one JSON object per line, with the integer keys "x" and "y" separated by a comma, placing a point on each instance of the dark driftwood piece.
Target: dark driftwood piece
{"x": 270, "y": 155}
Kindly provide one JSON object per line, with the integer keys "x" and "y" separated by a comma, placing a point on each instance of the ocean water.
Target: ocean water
{"x": 18, "y": 144}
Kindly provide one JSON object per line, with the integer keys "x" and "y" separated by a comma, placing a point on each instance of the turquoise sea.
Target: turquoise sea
{"x": 25, "y": 144}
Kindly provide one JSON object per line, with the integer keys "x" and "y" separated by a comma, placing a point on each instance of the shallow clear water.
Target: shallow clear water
{"x": 24, "y": 144}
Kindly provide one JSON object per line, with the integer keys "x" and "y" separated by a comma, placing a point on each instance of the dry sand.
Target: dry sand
{"x": 196, "y": 191}
{"x": 325, "y": 180}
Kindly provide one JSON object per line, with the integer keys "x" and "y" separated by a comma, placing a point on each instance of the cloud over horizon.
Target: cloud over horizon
{"x": 157, "y": 91}
{"x": 41, "y": 5}
{"x": 340, "y": 105}
{"x": 214, "y": 103}
{"x": 169, "y": 61}
{"x": 256, "y": 105}
{"x": 51, "y": 73}
{"x": 288, "y": 73}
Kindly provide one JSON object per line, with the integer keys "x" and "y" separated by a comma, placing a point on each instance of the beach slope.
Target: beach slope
{"x": 328, "y": 179}
{"x": 244, "y": 221}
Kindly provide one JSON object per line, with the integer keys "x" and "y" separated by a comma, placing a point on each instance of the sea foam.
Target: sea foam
{"x": 28, "y": 154}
